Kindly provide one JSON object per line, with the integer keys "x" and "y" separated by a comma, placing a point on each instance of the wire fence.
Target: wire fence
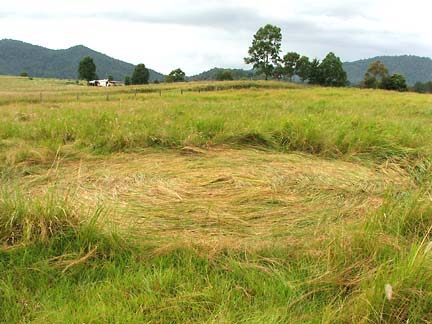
{"x": 129, "y": 93}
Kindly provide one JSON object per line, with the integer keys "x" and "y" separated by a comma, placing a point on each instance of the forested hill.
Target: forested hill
{"x": 237, "y": 74}
{"x": 414, "y": 68}
{"x": 17, "y": 57}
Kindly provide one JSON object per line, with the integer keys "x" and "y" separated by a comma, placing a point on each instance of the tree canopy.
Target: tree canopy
{"x": 264, "y": 55}
{"x": 331, "y": 72}
{"x": 140, "y": 75}
{"x": 176, "y": 75}
{"x": 303, "y": 67}
{"x": 377, "y": 77}
{"x": 375, "y": 74}
{"x": 290, "y": 61}
{"x": 265, "y": 49}
{"x": 224, "y": 75}
{"x": 423, "y": 87}
{"x": 127, "y": 80}
{"x": 314, "y": 76}
{"x": 87, "y": 69}
{"x": 394, "y": 82}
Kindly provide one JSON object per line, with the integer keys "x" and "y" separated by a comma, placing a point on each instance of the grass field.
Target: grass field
{"x": 236, "y": 202}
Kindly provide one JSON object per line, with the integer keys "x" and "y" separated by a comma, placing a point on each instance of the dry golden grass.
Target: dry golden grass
{"x": 221, "y": 197}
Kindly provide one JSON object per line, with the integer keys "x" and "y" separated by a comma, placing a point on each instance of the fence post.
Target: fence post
{"x": 135, "y": 93}
{"x": 181, "y": 91}
{"x": 107, "y": 95}
{"x": 40, "y": 97}
{"x": 160, "y": 93}
{"x": 77, "y": 96}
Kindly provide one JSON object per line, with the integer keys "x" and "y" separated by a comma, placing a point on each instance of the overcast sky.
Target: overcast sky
{"x": 199, "y": 35}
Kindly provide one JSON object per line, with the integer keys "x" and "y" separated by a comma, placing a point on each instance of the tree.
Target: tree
{"x": 176, "y": 75}
{"x": 224, "y": 75}
{"x": 24, "y": 74}
{"x": 290, "y": 61}
{"x": 421, "y": 87}
{"x": 87, "y": 69}
{"x": 127, "y": 80}
{"x": 395, "y": 82}
{"x": 331, "y": 72}
{"x": 378, "y": 70}
{"x": 370, "y": 82}
{"x": 140, "y": 75}
{"x": 110, "y": 78}
{"x": 265, "y": 49}
{"x": 278, "y": 72}
{"x": 375, "y": 75}
{"x": 303, "y": 67}
{"x": 314, "y": 76}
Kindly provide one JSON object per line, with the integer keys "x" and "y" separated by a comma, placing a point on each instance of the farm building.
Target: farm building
{"x": 104, "y": 83}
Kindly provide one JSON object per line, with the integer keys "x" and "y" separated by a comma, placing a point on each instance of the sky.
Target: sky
{"x": 199, "y": 35}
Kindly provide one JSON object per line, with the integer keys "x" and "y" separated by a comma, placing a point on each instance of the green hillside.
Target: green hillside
{"x": 211, "y": 75}
{"x": 414, "y": 68}
{"x": 17, "y": 57}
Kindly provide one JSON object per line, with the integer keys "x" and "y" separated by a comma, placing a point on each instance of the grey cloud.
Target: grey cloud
{"x": 307, "y": 31}
{"x": 231, "y": 18}
{"x": 219, "y": 17}
{"x": 346, "y": 11}
{"x": 304, "y": 30}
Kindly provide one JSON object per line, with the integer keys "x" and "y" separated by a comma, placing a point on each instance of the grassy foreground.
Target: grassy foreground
{"x": 257, "y": 203}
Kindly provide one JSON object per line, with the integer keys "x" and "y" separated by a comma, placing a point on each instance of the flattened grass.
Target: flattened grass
{"x": 233, "y": 196}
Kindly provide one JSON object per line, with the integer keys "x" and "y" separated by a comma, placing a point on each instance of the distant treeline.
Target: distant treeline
{"x": 265, "y": 56}
{"x": 423, "y": 87}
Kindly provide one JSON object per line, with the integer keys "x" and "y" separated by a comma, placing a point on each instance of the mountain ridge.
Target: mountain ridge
{"x": 17, "y": 57}
{"x": 414, "y": 68}
{"x": 38, "y": 61}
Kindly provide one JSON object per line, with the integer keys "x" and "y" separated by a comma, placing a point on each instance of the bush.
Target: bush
{"x": 395, "y": 82}
{"x": 224, "y": 75}
{"x": 127, "y": 80}
{"x": 175, "y": 76}
{"x": 140, "y": 75}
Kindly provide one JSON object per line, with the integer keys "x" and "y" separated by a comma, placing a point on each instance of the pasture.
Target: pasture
{"x": 225, "y": 202}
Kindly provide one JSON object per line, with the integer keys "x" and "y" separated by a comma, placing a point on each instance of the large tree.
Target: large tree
{"x": 303, "y": 68}
{"x": 140, "y": 75}
{"x": 127, "y": 80}
{"x": 87, "y": 69}
{"x": 176, "y": 75}
{"x": 374, "y": 76}
{"x": 378, "y": 69}
{"x": 332, "y": 73}
{"x": 290, "y": 61}
{"x": 395, "y": 82}
{"x": 265, "y": 49}
{"x": 315, "y": 75}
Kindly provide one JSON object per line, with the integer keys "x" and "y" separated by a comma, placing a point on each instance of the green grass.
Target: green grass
{"x": 256, "y": 203}
{"x": 329, "y": 122}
